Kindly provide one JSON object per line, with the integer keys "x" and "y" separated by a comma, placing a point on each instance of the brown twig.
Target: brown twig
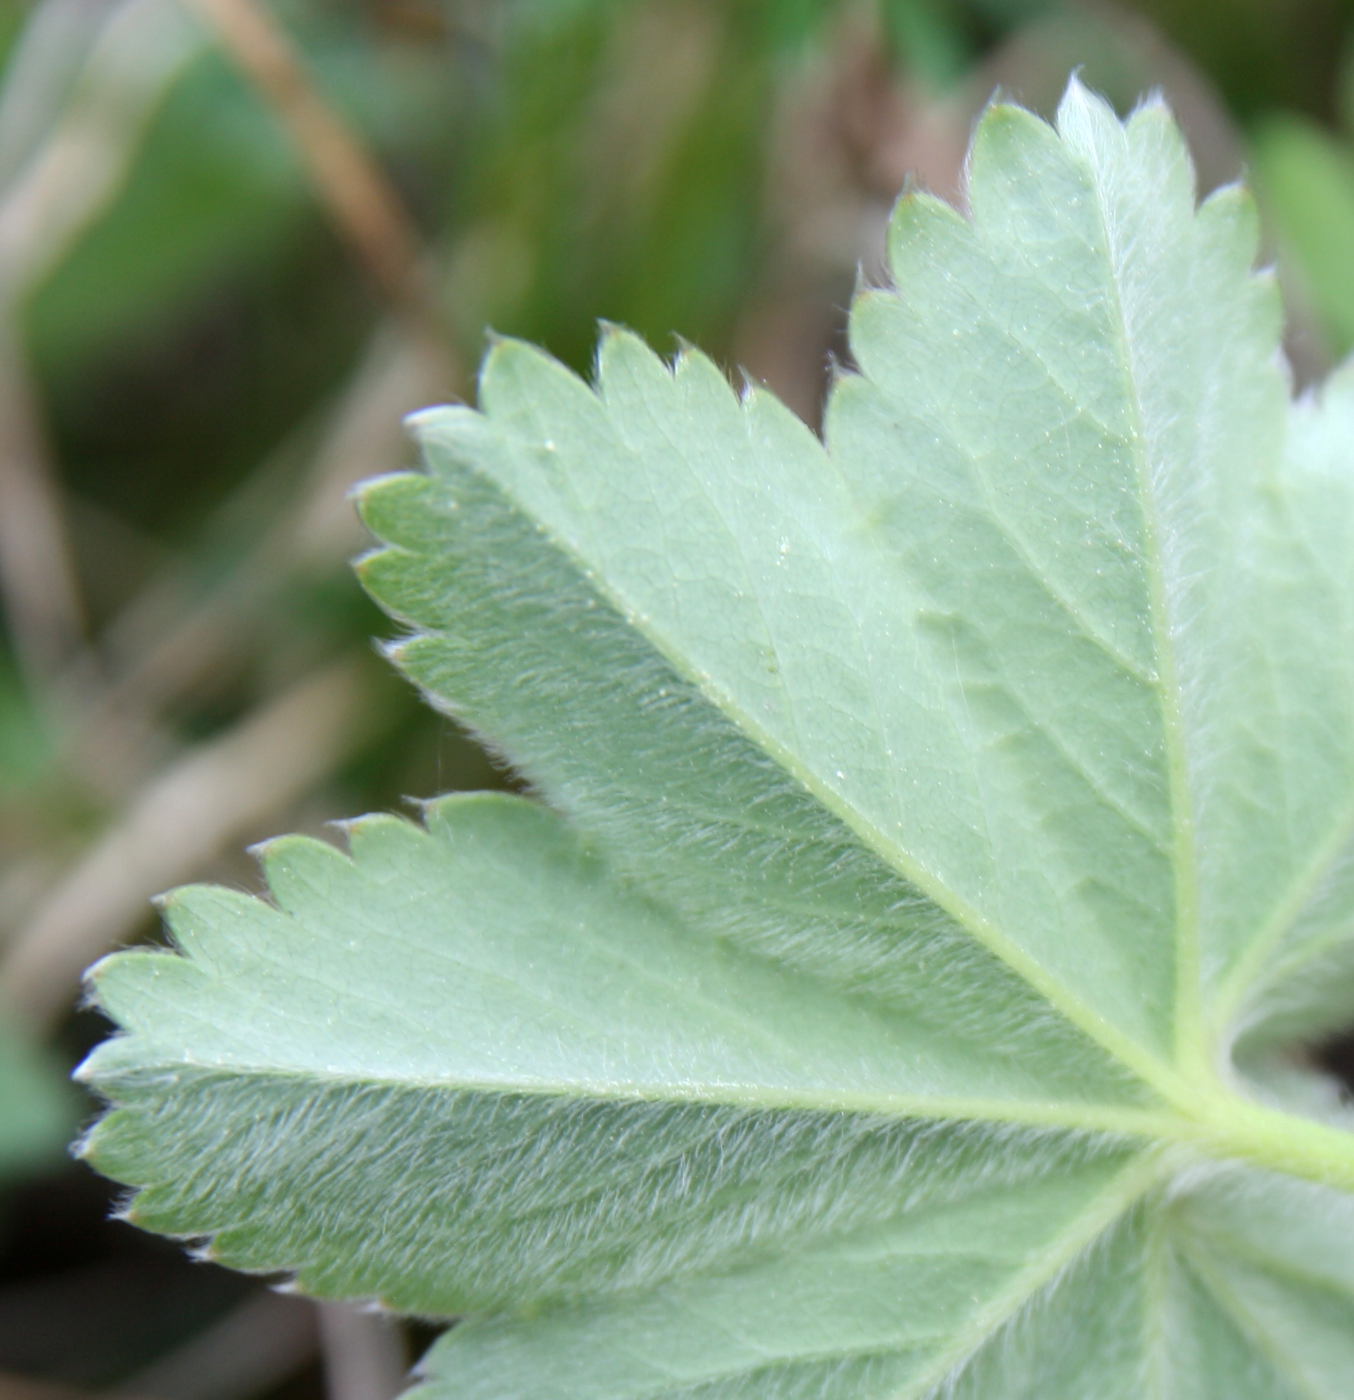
{"x": 364, "y": 205}
{"x": 364, "y": 1356}
{"x": 51, "y": 196}
{"x": 86, "y": 155}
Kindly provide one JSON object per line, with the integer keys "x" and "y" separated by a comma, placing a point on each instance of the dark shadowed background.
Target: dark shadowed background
{"x": 238, "y": 240}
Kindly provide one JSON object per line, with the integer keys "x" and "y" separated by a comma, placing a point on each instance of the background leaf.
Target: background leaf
{"x": 1309, "y": 179}
{"x": 35, "y": 1108}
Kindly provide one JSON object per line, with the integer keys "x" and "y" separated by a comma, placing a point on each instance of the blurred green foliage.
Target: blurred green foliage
{"x": 1308, "y": 178}
{"x": 1305, "y": 171}
{"x": 35, "y": 1109}
{"x": 196, "y": 364}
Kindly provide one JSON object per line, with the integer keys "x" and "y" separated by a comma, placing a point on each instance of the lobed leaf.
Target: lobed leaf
{"x": 946, "y": 828}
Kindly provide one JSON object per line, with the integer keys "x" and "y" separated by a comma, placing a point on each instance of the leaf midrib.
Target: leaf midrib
{"x": 1246, "y": 978}
{"x": 1212, "y": 1274}
{"x": 1105, "y": 1210}
{"x": 1087, "y": 1118}
{"x": 1191, "y": 1049}
{"x": 1108, "y": 1206}
{"x": 1155, "y": 1073}
{"x": 1246, "y": 973}
{"x": 1223, "y": 1127}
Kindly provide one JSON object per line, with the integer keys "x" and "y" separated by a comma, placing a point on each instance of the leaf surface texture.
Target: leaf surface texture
{"x": 944, "y": 830}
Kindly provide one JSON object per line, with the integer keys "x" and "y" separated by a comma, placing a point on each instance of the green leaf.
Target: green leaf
{"x": 945, "y": 832}
{"x": 1307, "y": 181}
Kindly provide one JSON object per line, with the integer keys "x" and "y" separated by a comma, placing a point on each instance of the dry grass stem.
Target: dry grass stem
{"x": 37, "y": 569}
{"x": 364, "y": 1355}
{"x": 214, "y": 795}
{"x": 364, "y": 205}
{"x": 172, "y": 637}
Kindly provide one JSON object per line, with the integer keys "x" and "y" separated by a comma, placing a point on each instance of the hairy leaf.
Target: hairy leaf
{"x": 946, "y": 831}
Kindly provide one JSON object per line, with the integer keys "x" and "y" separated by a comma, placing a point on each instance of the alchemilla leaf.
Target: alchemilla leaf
{"x": 945, "y": 832}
